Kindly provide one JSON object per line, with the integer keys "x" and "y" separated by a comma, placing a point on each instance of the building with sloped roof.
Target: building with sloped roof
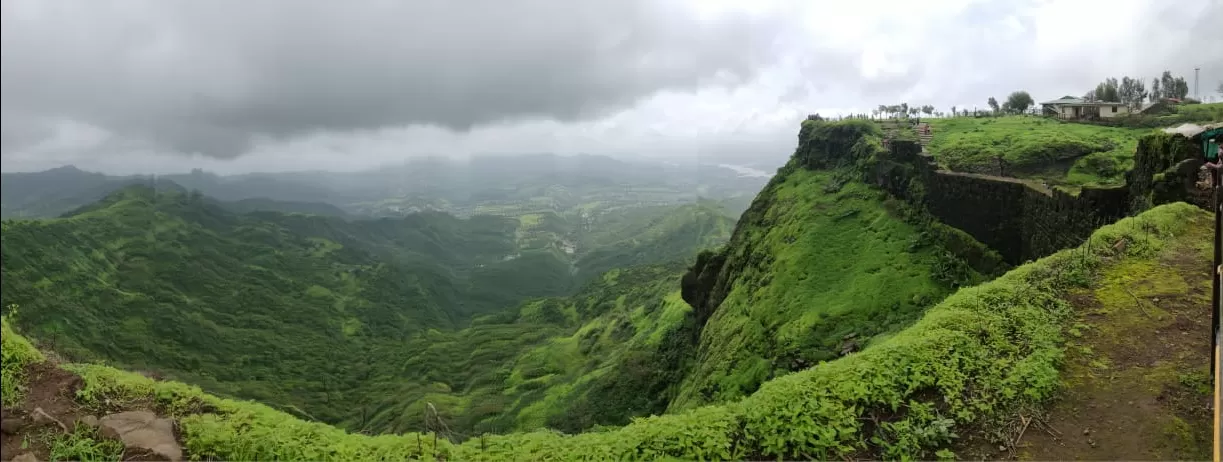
{"x": 1071, "y": 108}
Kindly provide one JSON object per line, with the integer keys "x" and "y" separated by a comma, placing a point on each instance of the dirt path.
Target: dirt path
{"x": 1137, "y": 374}
{"x": 50, "y": 424}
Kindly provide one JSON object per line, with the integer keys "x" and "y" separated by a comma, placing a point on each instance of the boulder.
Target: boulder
{"x": 143, "y": 430}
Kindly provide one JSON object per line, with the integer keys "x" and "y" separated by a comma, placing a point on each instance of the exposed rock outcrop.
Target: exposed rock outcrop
{"x": 143, "y": 430}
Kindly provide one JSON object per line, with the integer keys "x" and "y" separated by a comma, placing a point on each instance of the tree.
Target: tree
{"x": 1108, "y": 90}
{"x": 1132, "y": 91}
{"x": 954, "y": 113}
{"x": 1018, "y": 102}
{"x": 1156, "y": 92}
{"x": 993, "y": 103}
{"x": 1168, "y": 84}
{"x": 1111, "y": 93}
{"x": 1180, "y": 88}
{"x": 1219, "y": 90}
{"x": 927, "y": 109}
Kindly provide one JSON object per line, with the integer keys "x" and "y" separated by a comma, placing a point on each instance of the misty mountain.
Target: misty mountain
{"x": 433, "y": 183}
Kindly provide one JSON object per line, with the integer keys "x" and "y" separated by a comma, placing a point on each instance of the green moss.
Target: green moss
{"x": 1124, "y": 292}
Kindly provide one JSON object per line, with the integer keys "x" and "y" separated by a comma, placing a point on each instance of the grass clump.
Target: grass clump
{"x": 225, "y": 429}
{"x": 16, "y": 354}
{"x": 84, "y": 444}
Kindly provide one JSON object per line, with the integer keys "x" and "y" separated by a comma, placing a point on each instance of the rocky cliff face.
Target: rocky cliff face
{"x": 821, "y": 263}
{"x": 814, "y": 263}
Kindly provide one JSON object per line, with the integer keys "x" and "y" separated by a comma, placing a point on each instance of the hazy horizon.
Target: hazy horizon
{"x": 277, "y": 86}
{"x": 748, "y": 167}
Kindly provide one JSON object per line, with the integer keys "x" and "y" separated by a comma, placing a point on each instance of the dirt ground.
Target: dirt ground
{"x": 51, "y": 390}
{"x": 49, "y": 408}
{"x": 1137, "y": 378}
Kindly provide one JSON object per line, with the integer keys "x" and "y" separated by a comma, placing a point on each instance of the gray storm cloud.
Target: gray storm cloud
{"x": 209, "y": 77}
{"x": 124, "y": 85}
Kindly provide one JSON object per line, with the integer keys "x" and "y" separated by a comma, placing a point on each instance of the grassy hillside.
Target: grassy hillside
{"x": 1067, "y": 154}
{"x": 1062, "y": 153}
{"x": 827, "y": 268}
{"x": 645, "y": 235}
{"x": 976, "y": 357}
{"x": 599, "y": 357}
{"x": 242, "y": 304}
{"x": 821, "y": 264}
{"x": 1199, "y": 113}
{"x": 166, "y": 282}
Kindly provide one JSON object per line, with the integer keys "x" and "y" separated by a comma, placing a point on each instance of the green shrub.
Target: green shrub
{"x": 15, "y": 354}
{"x": 984, "y": 350}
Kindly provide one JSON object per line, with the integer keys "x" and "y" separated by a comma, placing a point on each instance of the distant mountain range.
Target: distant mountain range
{"x": 458, "y": 184}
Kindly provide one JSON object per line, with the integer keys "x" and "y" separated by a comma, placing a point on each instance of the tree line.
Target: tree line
{"x": 1132, "y": 91}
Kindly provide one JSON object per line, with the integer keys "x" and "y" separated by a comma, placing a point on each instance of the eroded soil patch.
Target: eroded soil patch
{"x": 1137, "y": 366}
{"x": 50, "y": 424}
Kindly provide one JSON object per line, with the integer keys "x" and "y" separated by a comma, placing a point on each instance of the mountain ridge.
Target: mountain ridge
{"x": 152, "y": 260}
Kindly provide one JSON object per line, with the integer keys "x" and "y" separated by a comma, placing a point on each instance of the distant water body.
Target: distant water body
{"x": 748, "y": 172}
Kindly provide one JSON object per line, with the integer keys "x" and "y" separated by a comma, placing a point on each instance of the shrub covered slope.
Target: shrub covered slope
{"x": 820, "y": 263}
{"x": 315, "y": 314}
{"x": 1068, "y": 153}
{"x": 980, "y": 352}
{"x": 823, "y": 329}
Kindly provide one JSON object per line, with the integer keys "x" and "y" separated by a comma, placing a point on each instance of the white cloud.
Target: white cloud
{"x": 826, "y": 57}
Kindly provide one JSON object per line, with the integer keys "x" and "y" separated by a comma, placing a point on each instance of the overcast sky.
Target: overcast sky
{"x": 269, "y": 85}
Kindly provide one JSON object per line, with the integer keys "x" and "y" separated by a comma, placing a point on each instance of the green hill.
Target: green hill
{"x": 314, "y": 313}
{"x": 978, "y": 356}
{"x": 1062, "y": 153}
{"x": 646, "y": 235}
{"x": 606, "y": 354}
{"x": 242, "y": 305}
{"x": 820, "y": 265}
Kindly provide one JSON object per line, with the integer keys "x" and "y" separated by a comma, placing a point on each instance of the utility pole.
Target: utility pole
{"x": 1196, "y": 95}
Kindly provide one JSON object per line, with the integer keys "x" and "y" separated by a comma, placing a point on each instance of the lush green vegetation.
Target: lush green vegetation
{"x": 980, "y": 353}
{"x": 14, "y": 355}
{"x": 828, "y": 265}
{"x": 634, "y": 236}
{"x": 599, "y": 357}
{"x": 315, "y": 313}
{"x": 1200, "y": 113}
{"x": 1062, "y": 153}
{"x": 1070, "y": 154}
{"x": 498, "y": 185}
